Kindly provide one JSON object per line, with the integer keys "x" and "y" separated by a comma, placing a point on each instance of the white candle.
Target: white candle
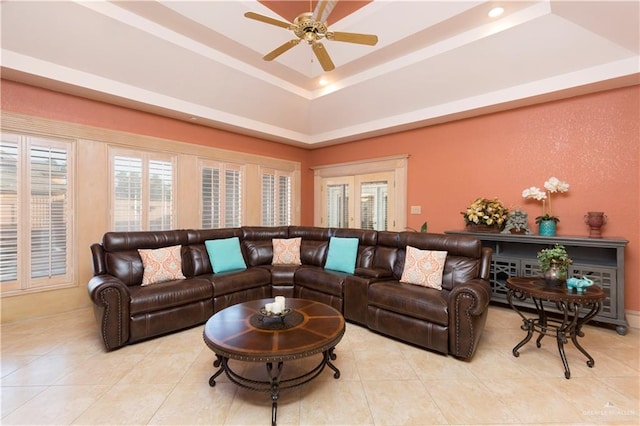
{"x": 276, "y": 308}
{"x": 279, "y": 300}
{"x": 268, "y": 307}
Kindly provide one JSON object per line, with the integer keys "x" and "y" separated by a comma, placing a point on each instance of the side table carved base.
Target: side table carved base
{"x": 568, "y": 324}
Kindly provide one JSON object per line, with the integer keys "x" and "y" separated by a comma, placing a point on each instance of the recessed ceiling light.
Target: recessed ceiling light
{"x": 323, "y": 81}
{"x": 496, "y": 11}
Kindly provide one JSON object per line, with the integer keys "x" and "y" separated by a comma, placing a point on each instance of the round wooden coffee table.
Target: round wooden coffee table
{"x": 241, "y": 332}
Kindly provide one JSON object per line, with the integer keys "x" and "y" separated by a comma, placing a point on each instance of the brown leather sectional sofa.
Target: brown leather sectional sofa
{"x": 450, "y": 320}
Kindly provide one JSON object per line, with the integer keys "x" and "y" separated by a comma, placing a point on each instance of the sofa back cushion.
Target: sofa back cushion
{"x": 121, "y": 257}
{"x": 315, "y": 242}
{"x": 257, "y": 244}
{"x": 386, "y": 251}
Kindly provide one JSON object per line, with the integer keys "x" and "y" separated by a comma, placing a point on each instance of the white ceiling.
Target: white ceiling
{"x": 435, "y": 61}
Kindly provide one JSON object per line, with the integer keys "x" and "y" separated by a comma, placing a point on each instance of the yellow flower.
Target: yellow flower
{"x": 483, "y": 211}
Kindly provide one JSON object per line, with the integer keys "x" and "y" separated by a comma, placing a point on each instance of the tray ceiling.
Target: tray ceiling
{"x": 435, "y": 60}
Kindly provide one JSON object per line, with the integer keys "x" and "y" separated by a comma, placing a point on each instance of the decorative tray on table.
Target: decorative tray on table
{"x": 268, "y": 314}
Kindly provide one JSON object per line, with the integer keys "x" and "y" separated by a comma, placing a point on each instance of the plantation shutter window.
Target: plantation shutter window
{"x": 233, "y": 198}
{"x": 210, "y": 195}
{"x": 142, "y": 191}
{"x": 36, "y": 215}
{"x": 9, "y": 209}
{"x": 221, "y": 194}
{"x": 127, "y": 208}
{"x": 268, "y": 200}
{"x": 284, "y": 200}
{"x": 276, "y": 198}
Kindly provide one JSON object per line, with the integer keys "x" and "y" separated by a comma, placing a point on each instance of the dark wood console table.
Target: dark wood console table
{"x": 599, "y": 259}
{"x": 570, "y": 304}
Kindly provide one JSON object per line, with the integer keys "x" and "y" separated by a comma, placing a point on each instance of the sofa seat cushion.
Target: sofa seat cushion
{"x": 322, "y": 280}
{"x": 168, "y": 294}
{"x": 408, "y": 299}
{"x": 236, "y": 281}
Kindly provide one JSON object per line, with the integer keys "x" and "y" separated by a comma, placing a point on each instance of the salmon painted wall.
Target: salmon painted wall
{"x": 590, "y": 141}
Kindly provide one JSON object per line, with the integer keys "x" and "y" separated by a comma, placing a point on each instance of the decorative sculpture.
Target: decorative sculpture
{"x": 579, "y": 284}
{"x": 517, "y": 223}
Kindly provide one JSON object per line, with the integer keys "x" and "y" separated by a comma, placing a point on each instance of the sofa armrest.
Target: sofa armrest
{"x": 468, "y": 309}
{"x": 373, "y": 273}
{"x": 111, "y": 299}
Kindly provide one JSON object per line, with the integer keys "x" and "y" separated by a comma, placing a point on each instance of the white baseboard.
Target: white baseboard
{"x": 633, "y": 318}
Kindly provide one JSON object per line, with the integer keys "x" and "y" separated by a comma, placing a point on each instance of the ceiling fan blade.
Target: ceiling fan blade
{"x": 368, "y": 39}
{"x": 266, "y": 19}
{"x": 323, "y": 10}
{"x": 280, "y": 50}
{"x": 323, "y": 56}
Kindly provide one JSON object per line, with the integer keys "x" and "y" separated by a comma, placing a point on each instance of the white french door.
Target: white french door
{"x": 360, "y": 201}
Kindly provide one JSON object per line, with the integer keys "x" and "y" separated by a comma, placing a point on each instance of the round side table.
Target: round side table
{"x": 568, "y": 322}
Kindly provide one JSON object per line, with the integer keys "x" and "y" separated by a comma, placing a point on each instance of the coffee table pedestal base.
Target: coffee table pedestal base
{"x": 275, "y": 383}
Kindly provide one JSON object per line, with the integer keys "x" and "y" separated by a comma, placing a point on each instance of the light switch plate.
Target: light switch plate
{"x": 416, "y": 209}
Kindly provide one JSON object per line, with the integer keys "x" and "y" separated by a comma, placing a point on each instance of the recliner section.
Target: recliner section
{"x": 450, "y": 320}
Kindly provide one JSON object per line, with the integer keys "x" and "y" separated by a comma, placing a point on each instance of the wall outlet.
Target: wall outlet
{"x": 416, "y": 209}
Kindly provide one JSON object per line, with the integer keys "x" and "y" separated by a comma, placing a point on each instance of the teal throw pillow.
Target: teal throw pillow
{"x": 342, "y": 255}
{"x": 225, "y": 254}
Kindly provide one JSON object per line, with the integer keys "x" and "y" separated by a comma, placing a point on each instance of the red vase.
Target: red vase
{"x": 595, "y": 220}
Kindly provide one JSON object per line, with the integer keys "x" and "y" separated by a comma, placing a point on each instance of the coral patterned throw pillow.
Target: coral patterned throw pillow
{"x": 160, "y": 265}
{"x": 286, "y": 251}
{"x": 424, "y": 267}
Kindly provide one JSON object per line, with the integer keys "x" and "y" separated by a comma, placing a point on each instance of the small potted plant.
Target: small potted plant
{"x": 554, "y": 264}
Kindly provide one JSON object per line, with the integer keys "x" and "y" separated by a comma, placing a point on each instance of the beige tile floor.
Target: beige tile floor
{"x": 54, "y": 371}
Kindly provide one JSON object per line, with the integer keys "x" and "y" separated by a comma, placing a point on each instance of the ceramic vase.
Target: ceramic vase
{"x": 595, "y": 220}
{"x": 547, "y": 228}
{"x": 555, "y": 275}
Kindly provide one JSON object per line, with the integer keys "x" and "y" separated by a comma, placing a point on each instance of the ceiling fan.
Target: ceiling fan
{"x": 312, "y": 28}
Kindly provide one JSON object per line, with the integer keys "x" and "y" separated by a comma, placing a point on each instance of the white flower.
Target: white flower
{"x": 535, "y": 193}
{"x": 555, "y": 185}
{"x": 552, "y": 185}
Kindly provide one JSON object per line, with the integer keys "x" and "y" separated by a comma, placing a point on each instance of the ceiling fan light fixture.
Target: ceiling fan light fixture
{"x": 496, "y": 11}
{"x": 308, "y": 28}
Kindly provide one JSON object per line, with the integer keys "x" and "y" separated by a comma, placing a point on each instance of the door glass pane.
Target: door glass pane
{"x": 338, "y": 205}
{"x": 373, "y": 205}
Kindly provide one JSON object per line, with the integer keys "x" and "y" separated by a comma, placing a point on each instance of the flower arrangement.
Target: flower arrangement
{"x": 556, "y": 256}
{"x": 486, "y": 212}
{"x": 552, "y": 185}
